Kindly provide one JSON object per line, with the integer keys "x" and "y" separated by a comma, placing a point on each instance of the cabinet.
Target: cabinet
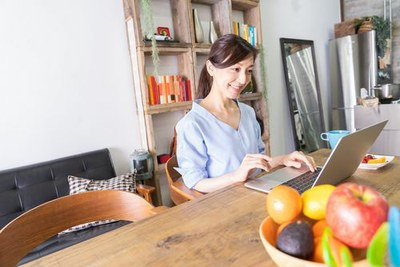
{"x": 187, "y": 59}
{"x": 388, "y": 141}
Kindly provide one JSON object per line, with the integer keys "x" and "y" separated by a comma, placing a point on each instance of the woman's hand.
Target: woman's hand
{"x": 296, "y": 158}
{"x": 249, "y": 164}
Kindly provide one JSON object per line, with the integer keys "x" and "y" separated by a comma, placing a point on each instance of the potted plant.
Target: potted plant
{"x": 381, "y": 27}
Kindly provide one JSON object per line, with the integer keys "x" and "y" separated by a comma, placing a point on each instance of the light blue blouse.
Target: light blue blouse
{"x": 208, "y": 147}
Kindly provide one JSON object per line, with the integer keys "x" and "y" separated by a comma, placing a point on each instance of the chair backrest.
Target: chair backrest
{"x": 178, "y": 191}
{"x": 33, "y": 227}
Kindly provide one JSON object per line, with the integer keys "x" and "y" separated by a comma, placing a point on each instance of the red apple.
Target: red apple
{"x": 355, "y": 212}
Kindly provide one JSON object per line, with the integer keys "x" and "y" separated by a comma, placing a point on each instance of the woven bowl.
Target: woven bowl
{"x": 267, "y": 231}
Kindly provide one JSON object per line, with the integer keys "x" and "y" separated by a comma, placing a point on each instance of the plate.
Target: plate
{"x": 376, "y": 166}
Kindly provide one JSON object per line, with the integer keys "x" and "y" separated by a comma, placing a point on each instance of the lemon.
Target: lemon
{"x": 315, "y": 199}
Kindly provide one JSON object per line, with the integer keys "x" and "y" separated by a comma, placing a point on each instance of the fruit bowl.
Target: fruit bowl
{"x": 267, "y": 231}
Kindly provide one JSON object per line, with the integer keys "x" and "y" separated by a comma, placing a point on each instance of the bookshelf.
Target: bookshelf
{"x": 184, "y": 57}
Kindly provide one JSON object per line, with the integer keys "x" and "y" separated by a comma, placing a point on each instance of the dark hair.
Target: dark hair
{"x": 227, "y": 50}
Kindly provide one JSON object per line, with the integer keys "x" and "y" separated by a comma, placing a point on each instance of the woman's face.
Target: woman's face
{"x": 232, "y": 80}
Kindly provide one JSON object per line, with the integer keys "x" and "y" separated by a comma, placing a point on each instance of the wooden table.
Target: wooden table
{"x": 217, "y": 229}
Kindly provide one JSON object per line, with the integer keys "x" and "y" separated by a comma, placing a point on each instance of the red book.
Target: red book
{"x": 156, "y": 93}
{"x": 188, "y": 90}
{"x": 178, "y": 90}
{"x": 182, "y": 85}
{"x": 171, "y": 89}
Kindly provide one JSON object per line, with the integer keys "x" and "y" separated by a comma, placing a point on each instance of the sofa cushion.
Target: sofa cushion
{"x": 125, "y": 182}
{"x": 59, "y": 242}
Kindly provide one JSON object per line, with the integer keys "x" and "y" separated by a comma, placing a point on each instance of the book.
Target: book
{"x": 235, "y": 25}
{"x": 165, "y": 89}
{"x": 188, "y": 90}
{"x": 169, "y": 83}
{"x": 252, "y": 32}
{"x": 150, "y": 90}
{"x": 245, "y": 32}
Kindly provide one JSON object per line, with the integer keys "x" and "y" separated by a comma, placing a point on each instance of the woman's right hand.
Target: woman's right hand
{"x": 249, "y": 164}
{"x": 296, "y": 158}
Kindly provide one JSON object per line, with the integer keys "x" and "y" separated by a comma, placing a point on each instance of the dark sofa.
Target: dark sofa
{"x": 25, "y": 187}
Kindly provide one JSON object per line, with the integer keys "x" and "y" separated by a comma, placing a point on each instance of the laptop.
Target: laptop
{"x": 341, "y": 164}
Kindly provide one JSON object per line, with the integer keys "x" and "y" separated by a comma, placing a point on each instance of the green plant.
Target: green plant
{"x": 148, "y": 30}
{"x": 382, "y": 29}
{"x": 263, "y": 72}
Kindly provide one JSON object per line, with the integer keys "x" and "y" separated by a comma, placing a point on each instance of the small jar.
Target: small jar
{"x": 142, "y": 161}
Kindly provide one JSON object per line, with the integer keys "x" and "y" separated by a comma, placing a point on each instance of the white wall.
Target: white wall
{"x": 298, "y": 19}
{"x": 65, "y": 81}
{"x": 66, "y": 84}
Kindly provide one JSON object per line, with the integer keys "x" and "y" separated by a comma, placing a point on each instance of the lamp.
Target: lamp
{"x": 142, "y": 161}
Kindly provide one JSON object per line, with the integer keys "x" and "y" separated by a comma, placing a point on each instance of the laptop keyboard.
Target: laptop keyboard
{"x": 303, "y": 182}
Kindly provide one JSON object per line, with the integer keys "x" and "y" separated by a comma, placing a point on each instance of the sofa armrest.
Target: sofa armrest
{"x": 145, "y": 191}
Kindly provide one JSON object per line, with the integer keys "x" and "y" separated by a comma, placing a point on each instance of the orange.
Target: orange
{"x": 283, "y": 204}
{"x": 283, "y": 225}
{"x": 318, "y": 228}
{"x": 318, "y": 255}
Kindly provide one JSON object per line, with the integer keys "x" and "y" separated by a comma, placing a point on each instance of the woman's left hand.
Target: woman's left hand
{"x": 296, "y": 158}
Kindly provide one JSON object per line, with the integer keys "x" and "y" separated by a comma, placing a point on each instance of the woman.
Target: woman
{"x": 219, "y": 141}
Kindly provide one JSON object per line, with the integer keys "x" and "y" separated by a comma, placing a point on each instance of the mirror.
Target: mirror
{"x": 303, "y": 92}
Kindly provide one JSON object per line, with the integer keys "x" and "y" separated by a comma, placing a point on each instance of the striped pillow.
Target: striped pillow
{"x": 126, "y": 182}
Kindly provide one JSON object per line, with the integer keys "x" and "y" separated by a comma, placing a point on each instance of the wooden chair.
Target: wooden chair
{"x": 33, "y": 227}
{"x": 145, "y": 191}
{"x": 179, "y": 192}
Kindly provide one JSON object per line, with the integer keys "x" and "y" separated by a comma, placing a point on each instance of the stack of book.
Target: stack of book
{"x": 165, "y": 89}
{"x": 247, "y": 32}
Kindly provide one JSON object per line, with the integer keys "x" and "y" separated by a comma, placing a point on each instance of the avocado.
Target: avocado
{"x": 297, "y": 240}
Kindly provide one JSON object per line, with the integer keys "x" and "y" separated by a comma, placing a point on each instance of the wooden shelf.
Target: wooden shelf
{"x": 250, "y": 96}
{"x": 168, "y": 44}
{"x": 202, "y": 50}
{"x": 161, "y": 168}
{"x": 241, "y": 3}
{"x": 202, "y": 46}
{"x": 205, "y": 2}
{"x": 244, "y": 4}
{"x": 165, "y": 50}
{"x": 155, "y": 109}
